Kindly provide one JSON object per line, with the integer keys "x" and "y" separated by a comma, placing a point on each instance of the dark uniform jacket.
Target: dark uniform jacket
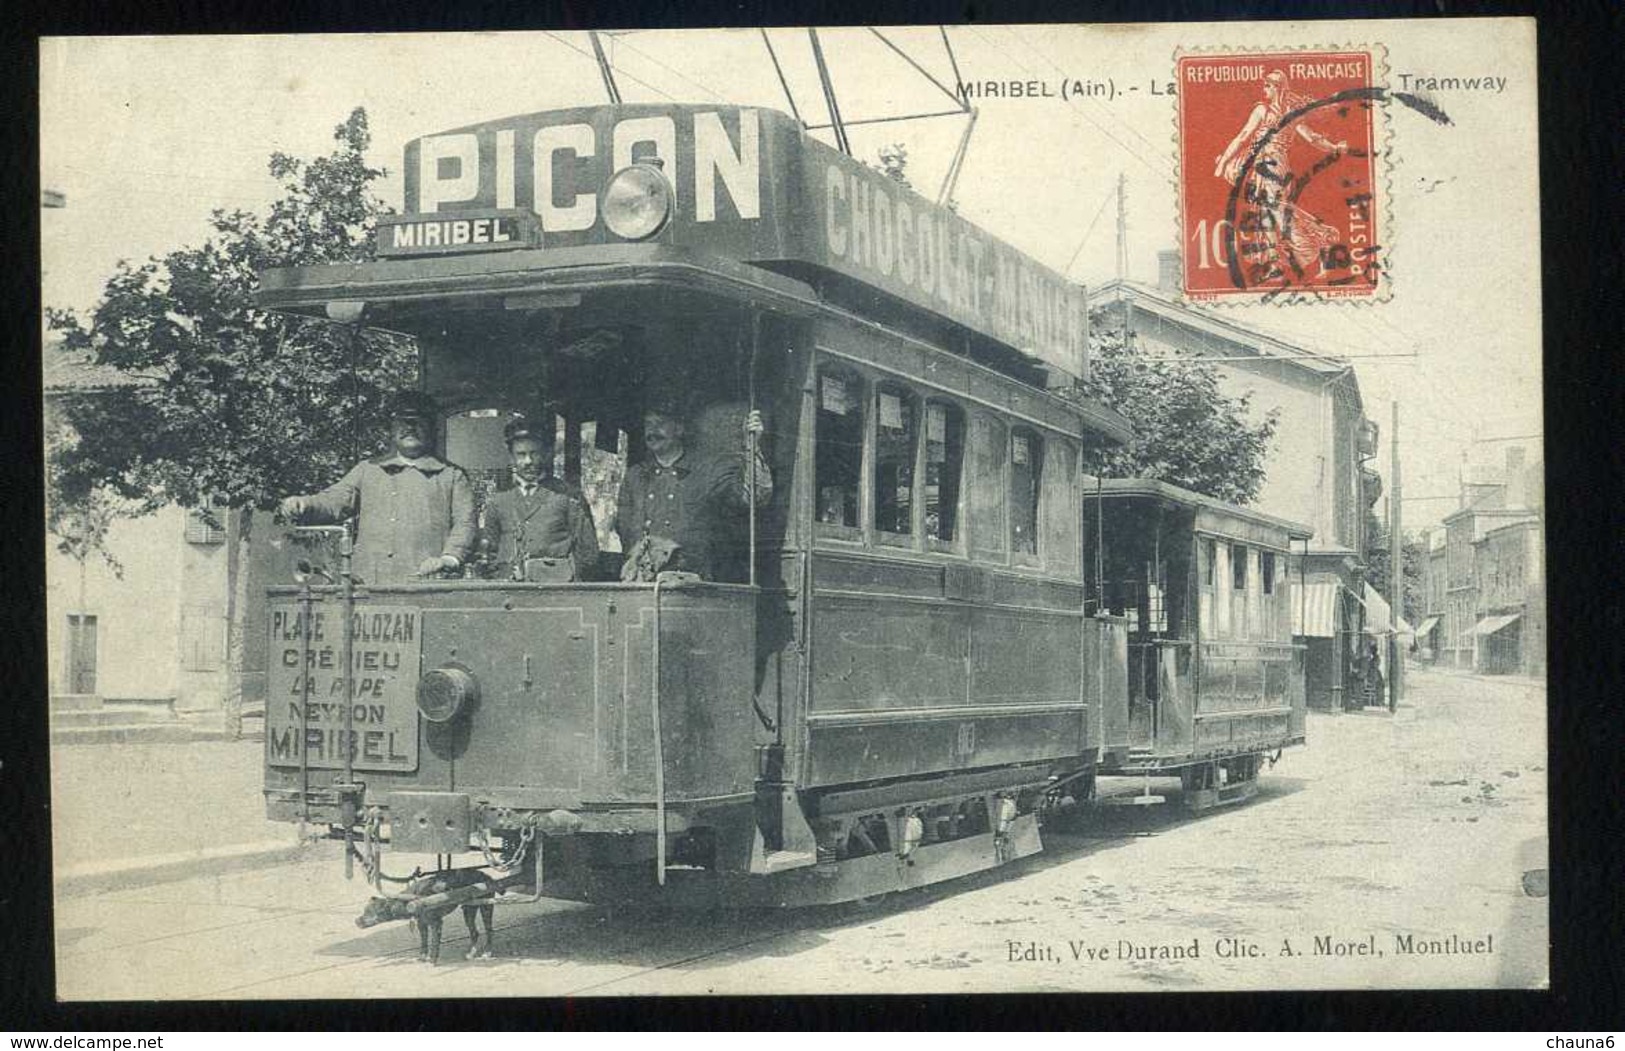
{"x": 554, "y": 521}
{"x": 698, "y": 502}
{"x": 405, "y": 510}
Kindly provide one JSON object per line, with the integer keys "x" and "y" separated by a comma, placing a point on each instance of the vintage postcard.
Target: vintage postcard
{"x": 979, "y": 508}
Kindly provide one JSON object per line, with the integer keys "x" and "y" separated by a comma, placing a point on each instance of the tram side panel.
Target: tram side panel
{"x": 909, "y": 683}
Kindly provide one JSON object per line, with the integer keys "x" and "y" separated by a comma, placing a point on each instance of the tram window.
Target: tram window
{"x": 896, "y": 428}
{"x": 1238, "y": 567}
{"x": 944, "y": 461}
{"x": 1268, "y": 572}
{"x": 1026, "y": 477}
{"x": 838, "y": 447}
{"x": 1061, "y": 507}
{"x": 986, "y": 494}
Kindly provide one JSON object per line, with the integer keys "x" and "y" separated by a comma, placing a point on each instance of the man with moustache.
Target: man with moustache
{"x": 414, "y": 511}
{"x": 695, "y": 501}
{"x": 542, "y": 528}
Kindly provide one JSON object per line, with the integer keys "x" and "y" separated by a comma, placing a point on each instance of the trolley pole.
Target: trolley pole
{"x": 1396, "y": 569}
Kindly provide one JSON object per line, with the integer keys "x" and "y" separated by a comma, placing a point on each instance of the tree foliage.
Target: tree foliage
{"x": 238, "y": 405}
{"x": 79, "y": 526}
{"x": 1188, "y": 432}
{"x": 894, "y": 162}
{"x": 1378, "y": 561}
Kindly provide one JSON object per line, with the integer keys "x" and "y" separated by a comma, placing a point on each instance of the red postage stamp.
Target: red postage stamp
{"x": 1278, "y": 186}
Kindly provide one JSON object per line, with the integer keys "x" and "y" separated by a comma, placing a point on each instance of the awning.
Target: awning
{"x": 1426, "y": 627}
{"x": 1491, "y": 625}
{"x": 1314, "y": 610}
{"x": 1379, "y": 620}
{"x": 1404, "y": 630}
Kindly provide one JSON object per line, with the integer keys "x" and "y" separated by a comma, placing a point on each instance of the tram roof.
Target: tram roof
{"x": 1158, "y": 490}
{"x": 396, "y": 294}
{"x": 747, "y": 185}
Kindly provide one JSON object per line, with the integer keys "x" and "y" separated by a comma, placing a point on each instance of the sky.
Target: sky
{"x": 145, "y": 135}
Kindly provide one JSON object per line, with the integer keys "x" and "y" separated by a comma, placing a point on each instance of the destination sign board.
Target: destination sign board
{"x": 747, "y": 184}
{"x": 485, "y": 230}
{"x": 305, "y": 699}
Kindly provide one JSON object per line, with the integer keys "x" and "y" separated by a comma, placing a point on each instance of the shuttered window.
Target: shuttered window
{"x": 199, "y": 530}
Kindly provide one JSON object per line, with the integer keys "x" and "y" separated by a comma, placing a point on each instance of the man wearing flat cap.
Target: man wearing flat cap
{"x": 414, "y": 511}
{"x": 696, "y": 501}
{"x": 542, "y": 528}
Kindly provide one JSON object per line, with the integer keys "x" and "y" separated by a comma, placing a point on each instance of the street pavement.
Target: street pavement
{"x": 123, "y": 813}
{"x": 1427, "y": 825}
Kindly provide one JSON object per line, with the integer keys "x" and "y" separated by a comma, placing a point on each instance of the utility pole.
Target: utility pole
{"x": 1122, "y": 227}
{"x": 1122, "y": 260}
{"x": 1396, "y": 568}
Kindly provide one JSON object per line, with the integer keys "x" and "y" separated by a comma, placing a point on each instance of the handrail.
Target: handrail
{"x": 307, "y": 603}
{"x": 660, "y": 755}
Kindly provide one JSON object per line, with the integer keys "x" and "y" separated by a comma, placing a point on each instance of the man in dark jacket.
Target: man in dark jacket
{"x": 414, "y": 511}
{"x": 540, "y": 519}
{"x": 696, "y": 501}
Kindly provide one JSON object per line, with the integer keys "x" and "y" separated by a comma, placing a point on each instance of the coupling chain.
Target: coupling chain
{"x": 527, "y": 836}
{"x": 373, "y": 861}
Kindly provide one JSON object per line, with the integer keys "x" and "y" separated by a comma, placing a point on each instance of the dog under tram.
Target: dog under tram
{"x": 897, "y": 660}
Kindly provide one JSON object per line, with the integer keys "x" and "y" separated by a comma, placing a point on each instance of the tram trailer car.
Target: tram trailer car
{"x": 1216, "y": 684}
{"x": 895, "y": 665}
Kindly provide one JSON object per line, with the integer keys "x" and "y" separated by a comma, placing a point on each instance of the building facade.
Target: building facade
{"x": 1430, "y": 630}
{"x": 147, "y": 622}
{"x": 1494, "y": 611}
{"x": 1317, "y": 471}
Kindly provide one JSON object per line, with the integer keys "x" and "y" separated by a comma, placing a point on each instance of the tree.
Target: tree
{"x": 1377, "y": 562}
{"x": 80, "y": 527}
{"x": 894, "y": 162}
{"x": 243, "y": 406}
{"x": 240, "y": 406}
{"x": 1187, "y": 431}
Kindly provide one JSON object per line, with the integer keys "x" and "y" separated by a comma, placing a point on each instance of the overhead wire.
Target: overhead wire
{"x": 589, "y": 57}
{"x": 1131, "y": 129}
{"x": 1098, "y": 213}
{"x": 620, "y": 41}
{"x": 1159, "y": 170}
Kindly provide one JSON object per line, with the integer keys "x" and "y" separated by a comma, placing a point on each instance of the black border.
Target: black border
{"x": 1581, "y": 159}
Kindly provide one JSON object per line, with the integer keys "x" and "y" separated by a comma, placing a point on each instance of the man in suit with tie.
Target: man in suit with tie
{"x": 542, "y": 528}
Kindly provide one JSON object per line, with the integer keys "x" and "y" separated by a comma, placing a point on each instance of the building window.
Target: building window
{"x": 944, "y": 463}
{"x": 896, "y": 428}
{"x": 1238, "y": 567}
{"x": 1210, "y": 560}
{"x": 200, "y": 530}
{"x": 838, "y": 445}
{"x": 1268, "y": 572}
{"x": 1026, "y": 482}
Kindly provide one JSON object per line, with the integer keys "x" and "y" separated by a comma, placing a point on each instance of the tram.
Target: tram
{"x": 1215, "y": 682}
{"x": 896, "y": 665}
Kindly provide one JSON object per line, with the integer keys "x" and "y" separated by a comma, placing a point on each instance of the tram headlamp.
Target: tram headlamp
{"x": 346, "y": 311}
{"x": 637, "y": 202}
{"x": 447, "y": 690}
